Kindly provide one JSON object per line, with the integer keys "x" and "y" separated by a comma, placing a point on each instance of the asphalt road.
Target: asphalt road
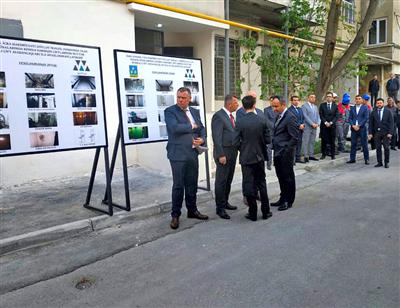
{"x": 337, "y": 247}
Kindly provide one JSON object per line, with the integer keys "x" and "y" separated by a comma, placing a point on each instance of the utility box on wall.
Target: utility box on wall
{"x": 11, "y": 27}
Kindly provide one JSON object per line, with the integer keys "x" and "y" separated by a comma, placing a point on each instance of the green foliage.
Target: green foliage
{"x": 306, "y": 20}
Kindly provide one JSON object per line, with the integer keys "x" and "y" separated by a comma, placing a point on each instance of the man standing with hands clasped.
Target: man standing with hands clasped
{"x": 185, "y": 134}
{"x": 225, "y": 154}
{"x": 298, "y": 112}
{"x": 381, "y": 128}
{"x": 329, "y": 113}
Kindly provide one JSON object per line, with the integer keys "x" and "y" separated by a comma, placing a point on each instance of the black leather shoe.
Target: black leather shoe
{"x": 378, "y": 165}
{"x": 333, "y": 157}
{"x": 367, "y": 162}
{"x": 284, "y": 206}
{"x": 277, "y": 203}
{"x": 323, "y": 156}
{"x": 313, "y": 158}
{"x": 351, "y": 162}
{"x": 267, "y": 215}
{"x": 174, "y": 223}
{"x": 393, "y": 149}
{"x": 306, "y": 160}
{"x": 386, "y": 165}
{"x": 197, "y": 215}
{"x": 228, "y": 206}
{"x": 248, "y": 216}
{"x": 223, "y": 214}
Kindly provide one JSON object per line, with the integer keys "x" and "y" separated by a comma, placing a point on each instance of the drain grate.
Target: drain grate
{"x": 84, "y": 283}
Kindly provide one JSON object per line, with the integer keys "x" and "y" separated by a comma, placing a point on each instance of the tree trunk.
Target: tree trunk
{"x": 324, "y": 79}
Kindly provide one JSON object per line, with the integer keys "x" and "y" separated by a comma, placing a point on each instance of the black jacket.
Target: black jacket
{"x": 223, "y": 133}
{"x": 252, "y": 137}
{"x": 328, "y": 115}
{"x": 286, "y": 134}
{"x": 376, "y": 125}
{"x": 373, "y": 86}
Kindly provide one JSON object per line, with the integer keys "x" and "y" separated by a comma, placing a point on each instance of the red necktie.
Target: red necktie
{"x": 232, "y": 120}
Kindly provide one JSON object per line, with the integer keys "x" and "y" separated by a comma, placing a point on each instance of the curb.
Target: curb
{"x": 23, "y": 241}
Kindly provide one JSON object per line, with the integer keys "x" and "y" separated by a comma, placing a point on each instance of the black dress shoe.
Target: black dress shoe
{"x": 323, "y": 156}
{"x": 174, "y": 223}
{"x": 306, "y": 160}
{"x": 284, "y": 206}
{"x": 333, "y": 157}
{"x": 351, "y": 162}
{"x": 197, "y": 215}
{"x": 277, "y": 203}
{"x": 223, "y": 214}
{"x": 378, "y": 165}
{"x": 393, "y": 149}
{"x": 386, "y": 165}
{"x": 228, "y": 206}
{"x": 267, "y": 215}
{"x": 313, "y": 158}
{"x": 252, "y": 218}
{"x": 367, "y": 162}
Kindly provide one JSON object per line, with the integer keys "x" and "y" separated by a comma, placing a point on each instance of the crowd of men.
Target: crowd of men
{"x": 279, "y": 135}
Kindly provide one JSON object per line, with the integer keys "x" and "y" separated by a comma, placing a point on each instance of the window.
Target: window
{"x": 149, "y": 41}
{"x": 348, "y": 11}
{"x": 234, "y": 66}
{"x": 377, "y": 32}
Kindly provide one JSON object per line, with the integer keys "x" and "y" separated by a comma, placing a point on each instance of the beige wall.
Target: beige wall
{"x": 212, "y": 7}
{"x": 106, "y": 24}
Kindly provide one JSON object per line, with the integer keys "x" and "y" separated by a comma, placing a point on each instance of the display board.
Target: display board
{"x": 147, "y": 85}
{"x": 51, "y": 97}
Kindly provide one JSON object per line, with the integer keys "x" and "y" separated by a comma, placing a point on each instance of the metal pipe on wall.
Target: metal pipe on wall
{"x": 226, "y": 66}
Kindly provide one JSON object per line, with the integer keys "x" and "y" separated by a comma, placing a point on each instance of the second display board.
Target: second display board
{"x": 147, "y": 85}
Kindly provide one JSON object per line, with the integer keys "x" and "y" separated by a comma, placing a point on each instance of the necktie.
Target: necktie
{"x": 297, "y": 109}
{"x": 232, "y": 120}
{"x": 278, "y": 118}
{"x": 187, "y": 117}
{"x": 380, "y": 114}
{"x": 329, "y": 107}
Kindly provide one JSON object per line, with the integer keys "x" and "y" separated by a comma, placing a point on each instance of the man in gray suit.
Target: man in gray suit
{"x": 311, "y": 121}
{"x": 225, "y": 154}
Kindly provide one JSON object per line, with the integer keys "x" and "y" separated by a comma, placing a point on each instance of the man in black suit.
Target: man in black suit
{"x": 225, "y": 154}
{"x": 252, "y": 137}
{"x": 373, "y": 88}
{"x": 381, "y": 127}
{"x": 329, "y": 114}
{"x": 285, "y": 139}
{"x": 298, "y": 112}
{"x": 185, "y": 134}
{"x": 270, "y": 117}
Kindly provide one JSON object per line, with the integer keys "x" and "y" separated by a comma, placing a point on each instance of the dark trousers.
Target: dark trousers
{"x": 185, "y": 175}
{"x": 362, "y": 135}
{"x": 382, "y": 139}
{"x": 223, "y": 178}
{"x": 393, "y": 94}
{"x": 374, "y": 96}
{"x": 298, "y": 147}
{"x": 286, "y": 178}
{"x": 328, "y": 136}
{"x": 253, "y": 181}
{"x": 393, "y": 141}
{"x": 398, "y": 136}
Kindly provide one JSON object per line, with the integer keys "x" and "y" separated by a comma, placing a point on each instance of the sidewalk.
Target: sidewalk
{"x": 49, "y": 210}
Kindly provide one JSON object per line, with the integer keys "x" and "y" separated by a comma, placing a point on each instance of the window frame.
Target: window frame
{"x": 378, "y": 20}
{"x": 346, "y": 8}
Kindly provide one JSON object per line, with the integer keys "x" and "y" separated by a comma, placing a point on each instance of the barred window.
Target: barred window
{"x": 234, "y": 66}
{"x": 348, "y": 11}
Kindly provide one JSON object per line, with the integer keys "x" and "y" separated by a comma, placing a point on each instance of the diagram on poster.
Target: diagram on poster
{"x": 51, "y": 97}
{"x": 147, "y": 86}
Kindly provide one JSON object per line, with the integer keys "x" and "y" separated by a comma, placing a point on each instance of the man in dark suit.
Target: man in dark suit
{"x": 270, "y": 117}
{"x": 252, "y": 137}
{"x": 358, "y": 118}
{"x": 285, "y": 139}
{"x": 373, "y": 88}
{"x": 298, "y": 112}
{"x": 225, "y": 154}
{"x": 185, "y": 134}
{"x": 381, "y": 126}
{"x": 329, "y": 113}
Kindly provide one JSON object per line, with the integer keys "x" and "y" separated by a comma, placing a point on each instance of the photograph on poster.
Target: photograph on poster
{"x": 165, "y": 100}
{"x": 134, "y": 85}
{"x": 161, "y": 116}
{"x": 86, "y": 136}
{"x": 4, "y": 123}
{"x": 43, "y": 139}
{"x": 3, "y": 100}
{"x": 42, "y": 119}
{"x": 2, "y": 79}
{"x": 83, "y": 83}
{"x": 163, "y": 131}
{"x": 137, "y": 116}
{"x": 135, "y": 100}
{"x": 195, "y": 101}
{"x": 5, "y": 143}
{"x": 84, "y": 100}
{"x": 192, "y": 85}
{"x": 39, "y": 81}
{"x": 164, "y": 85}
{"x": 41, "y": 100}
{"x": 138, "y": 132}
{"x": 85, "y": 118}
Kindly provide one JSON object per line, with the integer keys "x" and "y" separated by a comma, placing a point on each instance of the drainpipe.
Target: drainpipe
{"x": 286, "y": 94}
{"x": 226, "y": 71}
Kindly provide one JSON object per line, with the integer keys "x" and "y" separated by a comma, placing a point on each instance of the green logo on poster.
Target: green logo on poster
{"x": 133, "y": 71}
